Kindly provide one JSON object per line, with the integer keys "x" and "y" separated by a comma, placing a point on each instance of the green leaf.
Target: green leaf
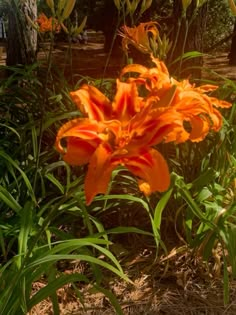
{"x": 25, "y": 178}
{"x": 26, "y": 224}
{"x": 8, "y": 199}
{"x": 54, "y": 285}
{"x": 12, "y": 129}
{"x": 67, "y": 9}
{"x": 56, "y": 182}
{"x": 160, "y": 207}
{"x": 51, "y": 120}
{"x": 205, "y": 178}
{"x": 117, "y": 4}
{"x": 54, "y": 258}
{"x": 188, "y": 55}
{"x": 191, "y": 203}
{"x": 80, "y": 28}
{"x": 56, "y": 165}
{"x": 204, "y": 194}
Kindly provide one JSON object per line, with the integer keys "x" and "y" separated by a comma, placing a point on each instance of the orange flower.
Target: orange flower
{"x": 194, "y": 105}
{"x": 48, "y": 24}
{"x": 139, "y": 36}
{"x": 124, "y": 131}
{"x": 116, "y": 133}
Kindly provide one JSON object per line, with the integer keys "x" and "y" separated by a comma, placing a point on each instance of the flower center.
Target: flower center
{"x": 123, "y": 139}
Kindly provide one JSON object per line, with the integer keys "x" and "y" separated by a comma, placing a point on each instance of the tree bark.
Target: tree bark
{"x": 22, "y": 37}
{"x": 232, "y": 54}
{"x": 186, "y": 36}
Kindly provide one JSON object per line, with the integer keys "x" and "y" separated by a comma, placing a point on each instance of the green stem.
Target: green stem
{"x": 187, "y": 27}
{"x": 110, "y": 51}
{"x": 49, "y": 65}
{"x": 71, "y": 61}
{"x": 176, "y": 38}
{"x": 86, "y": 217}
{"x": 186, "y": 24}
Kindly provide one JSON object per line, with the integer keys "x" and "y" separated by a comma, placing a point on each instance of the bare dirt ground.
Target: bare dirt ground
{"x": 91, "y": 60}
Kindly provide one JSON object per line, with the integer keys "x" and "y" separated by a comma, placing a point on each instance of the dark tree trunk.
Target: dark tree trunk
{"x": 232, "y": 54}
{"x": 22, "y": 37}
{"x": 186, "y": 36}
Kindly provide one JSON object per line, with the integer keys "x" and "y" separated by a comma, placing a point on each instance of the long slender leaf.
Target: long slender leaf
{"x": 25, "y": 228}
{"x": 54, "y": 258}
{"x": 58, "y": 283}
{"x": 160, "y": 207}
{"x": 26, "y": 180}
{"x": 9, "y": 200}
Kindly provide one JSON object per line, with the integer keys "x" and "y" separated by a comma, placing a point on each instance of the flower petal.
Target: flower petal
{"x": 139, "y": 36}
{"x": 81, "y": 128}
{"x": 92, "y": 102}
{"x": 200, "y": 128}
{"x": 216, "y": 119}
{"x": 78, "y": 152}
{"x": 152, "y": 169}
{"x": 133, "y": 68}
{"x": 126, "y": 102}
{"x": 99, "y": 172}
{"x": 220, "y": 103}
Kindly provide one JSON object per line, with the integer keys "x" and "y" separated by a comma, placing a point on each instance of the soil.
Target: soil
{"x": 90, "y": 60}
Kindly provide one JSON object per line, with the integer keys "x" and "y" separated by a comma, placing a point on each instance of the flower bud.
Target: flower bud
{"x": 186, "y": 4}
{"x": 232, "y": 6}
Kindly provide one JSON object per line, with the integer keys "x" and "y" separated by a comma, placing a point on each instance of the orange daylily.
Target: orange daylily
{"x": 124, "y": 131}
{"x": 194, "y": 105}
{"x": 118, "y": 132}
{"x": 48, "y": 24}
{"x": 139, "y": 36}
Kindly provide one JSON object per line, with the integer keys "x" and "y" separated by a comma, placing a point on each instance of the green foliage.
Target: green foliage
{"x": 219, "y": 25}
{"x": 37, "y": 191}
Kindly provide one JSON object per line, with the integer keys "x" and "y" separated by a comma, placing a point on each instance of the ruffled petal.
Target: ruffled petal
{"x": 126, "y": 102}
{"x": 152, "y": 170}
{"x": 216, "y": 120}
{"x": 80, "y": 128}
{"x": 92, "y": 102}
{"x": 139, "y": 36}
{"x": 134, "y": 68}
{"x": 220, "y": 103}
{"x": 168, "y": 126}
{"x": 200, "y": 127}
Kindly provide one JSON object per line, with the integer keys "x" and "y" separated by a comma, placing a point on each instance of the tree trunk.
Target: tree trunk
{"x": 232, "y": 54}
{"x": 22, "y": 37}
{"x": 186, "y": 36}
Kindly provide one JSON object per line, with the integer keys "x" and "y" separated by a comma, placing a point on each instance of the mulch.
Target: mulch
{"x": 188, "y": 286}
